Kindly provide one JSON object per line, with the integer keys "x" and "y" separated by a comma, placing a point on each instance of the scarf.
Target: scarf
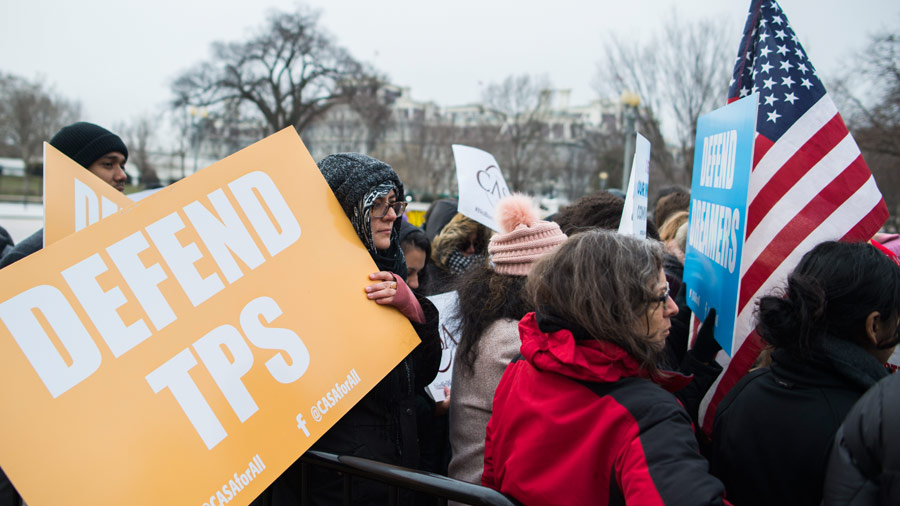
{"x": 459, "y": 263}
{"x": 391, "y": 259}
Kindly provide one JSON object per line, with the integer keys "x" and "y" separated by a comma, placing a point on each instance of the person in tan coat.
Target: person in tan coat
{"x": 491, "y": 303}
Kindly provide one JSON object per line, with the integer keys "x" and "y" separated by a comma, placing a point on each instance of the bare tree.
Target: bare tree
{"x": 424, "y": 159}
{"x": 601, "y": 152}
{"x": 30, "y": 113}
{"x": 875, "y": 119}
{"x": 290, "y": 72}
{"x": 139, "y": 138}
{"x": 679, "y": 75}
{"x": 878, "y": 79}
{"x": 665, "y": 170}
{"x": 519, "y": 104}
{"x": 371, "y": 99}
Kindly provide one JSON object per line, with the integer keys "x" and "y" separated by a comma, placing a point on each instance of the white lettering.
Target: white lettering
{"x": 271, "y": 338}
{"x": 174, "y": 375}
{"x": 108, "y": 207}
{"x": 181, "y": 259}
{"x": 87, "y": 209}
{"x": 102, "y": 306}
{"x": 222, "y": 236}
{"x": 713, "y": 232}
{"x": 143, "y": 281}
{"x": 735, "y": 224}
{"x": 226, "y": 373}
{"x": 275, "y": 241}
{"x": 18, "y": 315}
{"x": 717, "y": 160}
{"x": 731, "y": 150}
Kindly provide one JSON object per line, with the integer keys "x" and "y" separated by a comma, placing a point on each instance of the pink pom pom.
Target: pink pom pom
{"x": 515, "y": 210}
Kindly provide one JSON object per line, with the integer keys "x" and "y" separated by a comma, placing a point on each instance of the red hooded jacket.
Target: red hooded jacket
{"x": 580, "y": 422}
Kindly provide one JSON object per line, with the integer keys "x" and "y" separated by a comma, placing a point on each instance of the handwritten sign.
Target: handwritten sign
{"x": 481, "y": 184}
{"x": 718, "y": 215}
{"x": 447, "y": 305}
{"x": 175, "y": 352}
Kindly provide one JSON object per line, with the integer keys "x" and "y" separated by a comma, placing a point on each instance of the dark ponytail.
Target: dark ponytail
{"x": 787, "y": 322}
{"x": 831, "y": 291}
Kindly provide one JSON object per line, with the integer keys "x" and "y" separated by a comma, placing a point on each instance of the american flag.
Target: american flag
{"x": 809, "y": 182}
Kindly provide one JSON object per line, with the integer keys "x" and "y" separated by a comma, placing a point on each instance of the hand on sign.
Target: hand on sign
{"x": 392, "y": 290}
{"x": 384, "y": 289}
{"x": 706, "y": 347}
{"x": 441, "y": 408}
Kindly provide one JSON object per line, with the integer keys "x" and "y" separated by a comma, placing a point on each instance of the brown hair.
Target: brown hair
{"x": 597, "y": 210}
{"x": 603, "y": 282}
{"x": 486, "y": 296}
{"x": 671, "y": 204}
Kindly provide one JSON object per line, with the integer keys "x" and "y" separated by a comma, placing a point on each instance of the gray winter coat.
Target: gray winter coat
{"x": 864, "y": 468}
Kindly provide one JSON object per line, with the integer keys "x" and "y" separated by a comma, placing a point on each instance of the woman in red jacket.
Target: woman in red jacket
{"x": 584, "y": 417}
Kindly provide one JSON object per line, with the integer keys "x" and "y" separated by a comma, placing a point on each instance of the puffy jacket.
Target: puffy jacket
{"x": 864, "y": 468}
{"x": 27, "y": 246}
{"x": 774, "y": 430}
{"x": 6, "y": 242}
{"x": 578, "y": 421}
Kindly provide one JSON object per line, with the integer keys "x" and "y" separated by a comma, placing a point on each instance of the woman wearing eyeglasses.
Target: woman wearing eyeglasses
{"x": 585, "y": 415}
{"x": 381, "y": 426}
{"x": 831, "y": 331}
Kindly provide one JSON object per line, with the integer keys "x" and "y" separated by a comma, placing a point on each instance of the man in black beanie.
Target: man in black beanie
{"x": 96, "y": 149}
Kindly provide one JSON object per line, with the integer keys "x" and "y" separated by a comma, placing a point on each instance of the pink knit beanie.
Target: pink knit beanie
{"x": 524, "y": 237}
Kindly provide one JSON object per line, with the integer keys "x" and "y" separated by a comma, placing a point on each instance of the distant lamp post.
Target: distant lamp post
{"x": 630, "y": 102}
{"x": 604, "y": 176}
{"x": 198, "y": 123}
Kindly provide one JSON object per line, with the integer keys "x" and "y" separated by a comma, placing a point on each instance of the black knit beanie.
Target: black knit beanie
{"x": 86, "y": 142}
{"x": 352, "y": 175}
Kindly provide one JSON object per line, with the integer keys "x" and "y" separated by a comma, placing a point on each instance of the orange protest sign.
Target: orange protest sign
{"x": 189, "y": 348}
{"x": 73, "y": 197}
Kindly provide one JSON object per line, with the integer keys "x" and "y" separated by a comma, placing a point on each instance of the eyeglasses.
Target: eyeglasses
{"x": 381, "y": 210}
{"x": 662, "y": 299}
{"x": 469, "y": 243}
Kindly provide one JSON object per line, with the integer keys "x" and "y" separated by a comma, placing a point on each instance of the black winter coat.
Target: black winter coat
{"x": 864, "y": 469}
{"x": 6, "y": 242}
{"x": 773, "y": 431}
{"x": 27, "y": 246}
{"x": 381, "y": 426}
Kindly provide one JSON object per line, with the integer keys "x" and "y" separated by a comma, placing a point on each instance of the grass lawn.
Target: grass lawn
{"x": 14, "y": 186}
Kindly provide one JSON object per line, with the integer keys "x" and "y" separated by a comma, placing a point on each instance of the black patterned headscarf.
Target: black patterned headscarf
{"x": 358, "y": 181}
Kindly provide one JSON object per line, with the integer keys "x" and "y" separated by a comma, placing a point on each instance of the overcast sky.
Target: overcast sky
{"x": 118, "y": 57}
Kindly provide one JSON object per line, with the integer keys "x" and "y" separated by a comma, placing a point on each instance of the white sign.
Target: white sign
{"x": 447, "y": 305}
{"x": 481, "y": 184}
{"x": 634, "y": 215}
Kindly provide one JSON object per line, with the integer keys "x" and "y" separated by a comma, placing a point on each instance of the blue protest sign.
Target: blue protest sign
{"x": 723, "y": 157}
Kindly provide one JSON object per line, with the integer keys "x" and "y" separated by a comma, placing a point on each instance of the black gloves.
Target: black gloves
{"x": 706, "y": 347}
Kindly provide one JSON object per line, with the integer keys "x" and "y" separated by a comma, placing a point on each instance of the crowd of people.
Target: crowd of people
{"x": 575, "y": 379}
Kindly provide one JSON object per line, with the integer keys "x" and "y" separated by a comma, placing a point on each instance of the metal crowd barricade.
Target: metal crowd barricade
{"x": 396, "y": 478}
